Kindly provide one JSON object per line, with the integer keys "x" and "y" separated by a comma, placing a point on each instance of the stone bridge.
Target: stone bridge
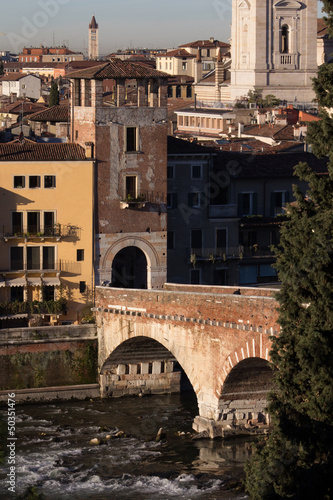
{"x": 218, "y": 336}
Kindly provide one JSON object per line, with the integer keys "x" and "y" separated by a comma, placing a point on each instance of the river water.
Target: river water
{"x": 54, "y": 455}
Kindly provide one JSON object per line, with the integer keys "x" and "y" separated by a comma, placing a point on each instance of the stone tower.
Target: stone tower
{"x": 93, "y": 39}
{"x": 274, "y": 48}
{"x": 127, "y": 136}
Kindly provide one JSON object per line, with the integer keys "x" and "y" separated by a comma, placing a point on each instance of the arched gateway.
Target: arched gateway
{"x": 220, "y": 340}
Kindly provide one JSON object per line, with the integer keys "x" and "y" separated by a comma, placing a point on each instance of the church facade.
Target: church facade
{"x": 273, "y": 47}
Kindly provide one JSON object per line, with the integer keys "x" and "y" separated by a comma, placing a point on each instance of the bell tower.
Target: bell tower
{"x": 274, "y": 48}
{"x": 93, "y": 39}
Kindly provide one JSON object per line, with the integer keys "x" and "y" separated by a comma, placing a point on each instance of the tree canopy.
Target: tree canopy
{"x": 54, "y": 95}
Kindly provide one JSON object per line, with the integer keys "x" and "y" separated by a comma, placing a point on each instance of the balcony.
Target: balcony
{"x": 140, "y": 201}
{"x": 222, "y": 211}
{"x": 216, "y": 254}
{"x": 33, "y": 232}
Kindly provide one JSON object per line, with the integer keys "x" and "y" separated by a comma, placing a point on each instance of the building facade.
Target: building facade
{"x": 129, "y": 140}
{"x": 273, "y": 47}
{"x": 46, "y": 244}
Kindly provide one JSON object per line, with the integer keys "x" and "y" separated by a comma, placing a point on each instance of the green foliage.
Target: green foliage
{"x": 1, "y": 68}
{"x": 54, "y": 95}
{"x": 35, "y": 307}
{"x": 255, "y": 96}
{"x": 270, "y": 101}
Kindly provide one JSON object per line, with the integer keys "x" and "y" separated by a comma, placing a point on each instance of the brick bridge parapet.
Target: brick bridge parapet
{"x": 209, "y": 330}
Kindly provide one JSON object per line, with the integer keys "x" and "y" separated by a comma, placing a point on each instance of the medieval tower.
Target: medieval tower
{"x": 93, "y": 39}
{"x": 274, "y": 48}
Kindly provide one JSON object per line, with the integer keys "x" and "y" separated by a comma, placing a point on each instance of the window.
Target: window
{"x": 172, "y": 200}
{"x": 170, "y": 240}
{"x": 16, "y": 293}
{"x": 79, "y": 255}
{"x": 130, "y": 187}
{"x": 184, "y": 66}
{"x": 221, "y": 241}
{"x": 131, "y": 139}
{"x": 17, "y": 222}
{"x": 33, "y": 219}
{"x": 33, "y": 258}
{"x": 196, "y": 240}
{"x": 171, "y": 172}
{"x": 48, "y": 257}
{"x": 278, "y": 202}
{"x": 48, "y": 293}
{"x": 49, "y": 181}
{"x": 247, "y": 204}
{"x": 19, "y": 181}
{"x": 49, "y": 223}
{"x": 195, "y": 276}
{"x": 285, "y": 39}
{"x": 34, "y": 181}
{"x": 208, "y": 52}
{"x": 194, "y": 200}
{"x": 16, "y": 258}
{"x": 196, "y": 172}
{"x": 83, "y": 286}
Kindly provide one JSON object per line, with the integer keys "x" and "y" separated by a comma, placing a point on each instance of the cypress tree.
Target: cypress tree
{"x": 296, "y": 460}
{"x": 54, "y": 95}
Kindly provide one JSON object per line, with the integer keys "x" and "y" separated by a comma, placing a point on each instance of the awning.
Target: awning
{"x": 16, "y": 282}
{"x": 34, "y": 281}
{"x": 51, "y": 281}
{"x": 15, "y": 316}
{"x": 2, "y": 283}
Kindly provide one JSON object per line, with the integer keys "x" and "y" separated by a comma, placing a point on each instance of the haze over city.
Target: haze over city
{"x": 122, "y": 23}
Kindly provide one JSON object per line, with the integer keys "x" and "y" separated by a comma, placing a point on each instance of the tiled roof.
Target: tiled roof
{"x": 16, "y": 107}
{"x": 182, "y": 147}
{"x": 53, "y": 114}
{"x": 32, "y": 151}
{"x": 206, "y": 44}
{"x": 177, "y": 53}
{"x": 277, "y": 132}
{"x": 322, "y": 30}
{"x": 14, "y": 77}
{"x": 116, "y": 69}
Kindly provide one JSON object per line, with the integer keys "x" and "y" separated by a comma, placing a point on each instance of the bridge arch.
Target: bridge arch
{"x": 143, "y": 365}
{"x": 140, "y": 243}
{"x": 245, "y": 390}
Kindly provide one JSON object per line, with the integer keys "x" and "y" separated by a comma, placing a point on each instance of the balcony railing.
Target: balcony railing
{"x": 142, "y": 199}
{"x": 36, "y": 231}
{"x": 224, "y": 253}
{"x": 35, "y": 307}
{"x": 65, "y": 266}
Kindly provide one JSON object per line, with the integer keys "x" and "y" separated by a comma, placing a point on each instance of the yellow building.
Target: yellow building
{"x": 46, "y": 231}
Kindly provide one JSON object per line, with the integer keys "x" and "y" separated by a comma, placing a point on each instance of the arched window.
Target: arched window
{"x": 285, "y": 39}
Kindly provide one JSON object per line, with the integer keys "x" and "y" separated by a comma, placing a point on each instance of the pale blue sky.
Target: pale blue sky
{"x": 122, "y": 23}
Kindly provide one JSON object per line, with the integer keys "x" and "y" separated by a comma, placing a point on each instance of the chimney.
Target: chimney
{"x": 89, "y": 147}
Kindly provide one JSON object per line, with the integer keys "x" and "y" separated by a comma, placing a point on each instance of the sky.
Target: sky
{"x": 122, "y": 23}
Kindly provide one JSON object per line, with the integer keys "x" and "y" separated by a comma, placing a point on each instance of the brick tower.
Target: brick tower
{"x": 93, "y": 39}
{"x": 127, "y": 134}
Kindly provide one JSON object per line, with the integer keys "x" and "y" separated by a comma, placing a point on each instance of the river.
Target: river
{"x": 53, "y": 452}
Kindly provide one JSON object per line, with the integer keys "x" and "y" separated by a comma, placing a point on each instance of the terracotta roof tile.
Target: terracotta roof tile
{"x": 177, "y": 53}
{"x": 53, "y": 114}
{"x": 16, "y": 107}
{"x": 322, "y": 30}
{"x": 32, "y": 151}
{"x": 117, "y": 69}
{"x": 207, "y": 44}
